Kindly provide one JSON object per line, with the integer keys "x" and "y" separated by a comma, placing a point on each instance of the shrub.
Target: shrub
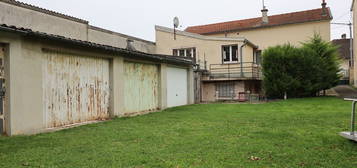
{"x": 300, "y": 72}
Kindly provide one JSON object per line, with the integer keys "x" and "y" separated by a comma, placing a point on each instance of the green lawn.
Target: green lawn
{"x": 286, "y": 134}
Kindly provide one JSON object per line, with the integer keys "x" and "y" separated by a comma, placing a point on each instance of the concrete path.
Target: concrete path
{"x": 345, "y": 91}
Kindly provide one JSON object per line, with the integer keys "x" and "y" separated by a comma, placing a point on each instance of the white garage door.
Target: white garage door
{"x": 75, "y": 89}
{"x": 176, "y": 86}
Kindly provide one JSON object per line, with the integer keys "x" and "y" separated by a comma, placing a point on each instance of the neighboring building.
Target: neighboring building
{"x": 345, "y": 56}
{"x": 232, "y": 63}
{"x": 19, "y": 14}
{"x": 267, "y": 31}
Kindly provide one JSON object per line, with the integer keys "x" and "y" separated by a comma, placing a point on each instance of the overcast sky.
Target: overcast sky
{"x": 138, "y": 17}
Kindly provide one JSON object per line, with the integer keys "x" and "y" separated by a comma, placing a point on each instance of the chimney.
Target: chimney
{"x": 324, "y": 9}
{"x": 265, "y": 18}
{"x": 129, "y": 45}
{"x": 343, "y": 36}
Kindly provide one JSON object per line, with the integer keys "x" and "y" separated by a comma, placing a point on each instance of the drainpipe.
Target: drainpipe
{"x": 241, "y": 58}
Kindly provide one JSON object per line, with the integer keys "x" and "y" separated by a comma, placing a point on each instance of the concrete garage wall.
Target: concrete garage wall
{"x": 102, "y": 36}
{"x": 27, "y": 16}
{"x": 26, "y": 86}
{"x": 23, "y": 76}
{"x": 19, "y": 16}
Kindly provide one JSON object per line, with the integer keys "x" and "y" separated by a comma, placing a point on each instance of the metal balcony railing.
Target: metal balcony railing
{"x": 245, "y": 70}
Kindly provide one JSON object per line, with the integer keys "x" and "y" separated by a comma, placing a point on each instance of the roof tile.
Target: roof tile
{"x": 253, "y": 23}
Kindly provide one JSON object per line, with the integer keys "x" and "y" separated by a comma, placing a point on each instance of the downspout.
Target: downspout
{"x": 241, "y": 58}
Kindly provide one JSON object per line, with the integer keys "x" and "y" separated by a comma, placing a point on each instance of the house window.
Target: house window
{"x": 185, "y": 52}
{"x": 230, "y": 54}
{"x": 225, "y": 90}
{"x": 257, "y": 57}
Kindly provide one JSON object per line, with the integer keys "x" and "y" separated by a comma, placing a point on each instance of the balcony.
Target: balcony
{"x": 236, "y": 71}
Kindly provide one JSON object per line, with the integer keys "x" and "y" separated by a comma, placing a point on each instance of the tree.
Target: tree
{"x": 300, "y": 72}
{"x": 327, "y": 75}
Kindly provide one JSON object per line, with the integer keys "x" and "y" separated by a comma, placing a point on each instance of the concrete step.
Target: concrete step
{"x": 348, "y": 135}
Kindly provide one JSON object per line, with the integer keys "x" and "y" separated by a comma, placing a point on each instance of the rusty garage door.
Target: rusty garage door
{"x": 76, "y": 89}
{"x": 141, "y": 87}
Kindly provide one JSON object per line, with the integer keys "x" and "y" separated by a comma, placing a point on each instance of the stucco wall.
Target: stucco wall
{"x": 58, "y": 24}
{"x": 22, "y": 17}
{"x": 209, "y": 50}
{"x": 106, "y": 37}
{"x": 293, "y": 34}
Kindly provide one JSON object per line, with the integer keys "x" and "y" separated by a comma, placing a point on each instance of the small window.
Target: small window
{"x": 175, "y": 52}
{"x": 181, "y": 52}
{"x": 235, "y": 53}
{"x": 257, "y": 58}
{"x": 230, "y": 54}
{"x": 188, "y": 53}
{"x": 225, "y": 90}
{"x": 185, "y": 52}
{"x": 226, "y": 54}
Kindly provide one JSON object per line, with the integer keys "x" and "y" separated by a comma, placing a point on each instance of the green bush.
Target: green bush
{"x": 300, "y": 72}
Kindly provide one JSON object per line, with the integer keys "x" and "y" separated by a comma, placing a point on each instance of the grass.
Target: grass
{"x": 286, "y": 134}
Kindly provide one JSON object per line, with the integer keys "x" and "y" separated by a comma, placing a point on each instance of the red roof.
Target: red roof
{"x": 275, "y": 20}
{"x": 344, "y": 47}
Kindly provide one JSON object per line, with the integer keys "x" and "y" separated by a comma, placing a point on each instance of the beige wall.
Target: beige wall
{"x": 24, "y": 113}
{"x": 354, "y": 7}
{"x": 293, "y": 34}
{"x": 209, "y": 50}
{"x": 208, "y": 92}
{"x": 22, "y": 17}
{"x": 72, "y": 28}
{"x": 106, "y": 37}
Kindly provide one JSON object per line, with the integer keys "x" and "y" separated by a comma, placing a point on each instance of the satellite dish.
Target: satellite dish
{"x": 176, "y": 22}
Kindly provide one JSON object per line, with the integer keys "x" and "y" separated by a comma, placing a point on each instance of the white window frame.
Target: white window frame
{"x": 186, "y": 51}
{"x": 230, "y": 54}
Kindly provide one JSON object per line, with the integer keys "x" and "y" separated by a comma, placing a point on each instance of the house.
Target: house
{"x": 345, "y": 56}
{"x": 232, "y": 63}
{"x": 59, "y": 71}
{"x": 228, "y": 54}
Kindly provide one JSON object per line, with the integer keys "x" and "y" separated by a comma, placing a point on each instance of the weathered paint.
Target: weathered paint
{"x": 141, "y": 88}
{"x": 176, "y": 87}
{"x": 75, "y": 89}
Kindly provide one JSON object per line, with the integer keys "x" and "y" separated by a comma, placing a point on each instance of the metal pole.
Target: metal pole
{"x": 241, "y": 58}
{"x": 353, "y": 118}
{"x": 174, "y": 33}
